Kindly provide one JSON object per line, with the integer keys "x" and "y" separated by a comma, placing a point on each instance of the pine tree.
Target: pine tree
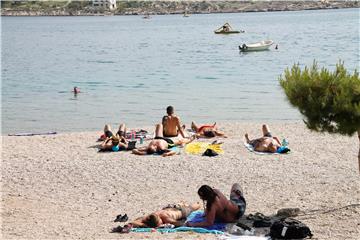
{"x": 329, "y": 101}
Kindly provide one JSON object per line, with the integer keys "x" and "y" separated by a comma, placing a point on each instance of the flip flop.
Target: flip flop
{"x": 120, "y": 218}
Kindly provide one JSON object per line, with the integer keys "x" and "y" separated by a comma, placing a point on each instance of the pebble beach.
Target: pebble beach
{"x": 60, "y": 187}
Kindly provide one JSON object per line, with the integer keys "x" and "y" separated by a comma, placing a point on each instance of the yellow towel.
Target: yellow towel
{"x": 200, "y": 147}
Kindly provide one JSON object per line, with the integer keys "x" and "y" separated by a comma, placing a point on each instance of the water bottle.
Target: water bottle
{"x": 132, "y": 136}
{"x": 284, "y": 143}
{"x": 141, "y": 140}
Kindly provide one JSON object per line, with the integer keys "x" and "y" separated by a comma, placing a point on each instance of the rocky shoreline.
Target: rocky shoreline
{"x": 171, "y": 7}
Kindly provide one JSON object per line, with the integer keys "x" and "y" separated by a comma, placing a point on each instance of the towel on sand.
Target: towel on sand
{"x": 200, "y": 147}
{"x": 196, "y": 216}
{"x": 251, "y": 149}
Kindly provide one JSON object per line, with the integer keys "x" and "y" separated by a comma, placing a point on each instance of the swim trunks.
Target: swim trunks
{"x": 241, "y": 203}
{"x": 168, "y": 140}
{"x": 268, "y": 134}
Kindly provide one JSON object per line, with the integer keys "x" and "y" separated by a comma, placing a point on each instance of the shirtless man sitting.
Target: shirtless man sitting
{"x": 207, "y": 131}
{"x": 219, "y": 207}
{"x": 175, "y": 214}
{"x": 267, "y": 143}
{"x": 161, "y": 145}
{"x": 171, "y": 124}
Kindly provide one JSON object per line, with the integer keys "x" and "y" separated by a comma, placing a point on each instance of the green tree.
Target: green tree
{"x": 329, "y": 101}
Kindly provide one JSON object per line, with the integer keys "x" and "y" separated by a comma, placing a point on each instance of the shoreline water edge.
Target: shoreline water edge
{"x": 73, "y": 8}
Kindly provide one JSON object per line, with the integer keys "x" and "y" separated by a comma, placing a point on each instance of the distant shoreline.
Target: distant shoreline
{"x": 170, "y": 8}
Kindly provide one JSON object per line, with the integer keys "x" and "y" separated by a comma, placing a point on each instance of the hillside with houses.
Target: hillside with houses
{"x": 113, "y": 7}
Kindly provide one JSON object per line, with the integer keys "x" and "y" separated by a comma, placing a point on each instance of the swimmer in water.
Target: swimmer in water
{"x": 76, "y": 90}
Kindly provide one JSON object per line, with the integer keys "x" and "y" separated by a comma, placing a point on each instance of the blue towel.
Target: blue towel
{"x": 198, "y": 216}
{"x": 178, "y": 229}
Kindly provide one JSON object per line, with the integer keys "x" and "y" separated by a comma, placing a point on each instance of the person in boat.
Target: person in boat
{"x": 207, "y": 131}
{"x": 218, "y": 207}
{"x": 172, "y": 124}
{"x": 174, "y": 214}
{"x": 114, "y": 142}
{"x": 266, "y": 143}
{"x": 161, "y": 145}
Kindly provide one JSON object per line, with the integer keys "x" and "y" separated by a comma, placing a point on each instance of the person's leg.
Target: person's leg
{"x": 247, "y": 138}
{"x": 108, "y": 131}
{"x": 237, "y": 197}
{"x": 266, "y": 130}
{"x": 194, "y": 127}
{"x": 186, "y": 210}
{"x": 159, "y": 130}
{"x": 122, "y": 130}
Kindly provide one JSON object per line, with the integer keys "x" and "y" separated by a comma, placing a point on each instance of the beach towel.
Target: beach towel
{"x": 196, "y": 216}
{"x": 200, "y": 147}
{"x": 251, "y": 149}
{"x": 175, "y": 149}
{"x": 178, "y": 229}
{"x": 31, "y": 134}
{"x": 199, "y": 216}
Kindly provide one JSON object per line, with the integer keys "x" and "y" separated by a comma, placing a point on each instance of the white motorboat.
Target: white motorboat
{"x": 259, "y": 46}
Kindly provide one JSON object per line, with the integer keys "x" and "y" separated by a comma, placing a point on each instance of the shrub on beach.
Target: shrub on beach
{"x": 329, "y": 101}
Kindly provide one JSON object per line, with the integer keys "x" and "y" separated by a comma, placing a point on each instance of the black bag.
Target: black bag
{"x": 289, "y": 228}
{"x": 210, "y": 153}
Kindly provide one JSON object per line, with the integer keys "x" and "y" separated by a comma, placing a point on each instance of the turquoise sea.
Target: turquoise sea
{"x": 130, "y": 69}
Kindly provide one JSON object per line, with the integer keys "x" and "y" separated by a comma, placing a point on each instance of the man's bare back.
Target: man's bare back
{"x": 171, "y": 124}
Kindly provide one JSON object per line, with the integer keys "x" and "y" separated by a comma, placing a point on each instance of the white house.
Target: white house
{"x": 106, "y": 4}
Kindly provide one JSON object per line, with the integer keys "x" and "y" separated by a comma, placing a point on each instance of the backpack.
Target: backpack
{"x": 289, "y": 228}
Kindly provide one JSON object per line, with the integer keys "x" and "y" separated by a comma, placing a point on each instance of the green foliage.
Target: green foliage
{"x": 329, "y": 101}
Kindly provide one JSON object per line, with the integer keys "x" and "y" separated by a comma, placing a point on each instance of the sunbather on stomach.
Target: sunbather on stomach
{"x": 207, "y": 131}
{"x": 267, "y": 143}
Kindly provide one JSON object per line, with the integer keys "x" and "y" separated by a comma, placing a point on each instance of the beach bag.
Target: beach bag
{"x": 289, "y": 228}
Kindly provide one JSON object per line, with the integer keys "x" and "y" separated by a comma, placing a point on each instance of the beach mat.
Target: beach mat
{"x": 196, "y": 216}
{"x": 31, "y": 134}
{"x": 251, "y": 149}
{"x": 200, "y": 147}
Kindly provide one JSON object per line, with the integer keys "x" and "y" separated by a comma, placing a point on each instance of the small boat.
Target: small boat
{"x": 259, "y": 46}
{"x": 226, "y": 29}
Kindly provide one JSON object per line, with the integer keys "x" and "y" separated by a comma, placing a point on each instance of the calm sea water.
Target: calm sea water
{"x": 130, "y": 69}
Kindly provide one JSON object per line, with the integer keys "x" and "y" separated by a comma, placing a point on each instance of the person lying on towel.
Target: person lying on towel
{"x": 114, "y": 142}
{"x": 174, "y": 214}
{"x": 161, "y": 145}
{"x": 219, "y": 207}
{"x": 207, "y": 131}
{"x": 266, "y": 143}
